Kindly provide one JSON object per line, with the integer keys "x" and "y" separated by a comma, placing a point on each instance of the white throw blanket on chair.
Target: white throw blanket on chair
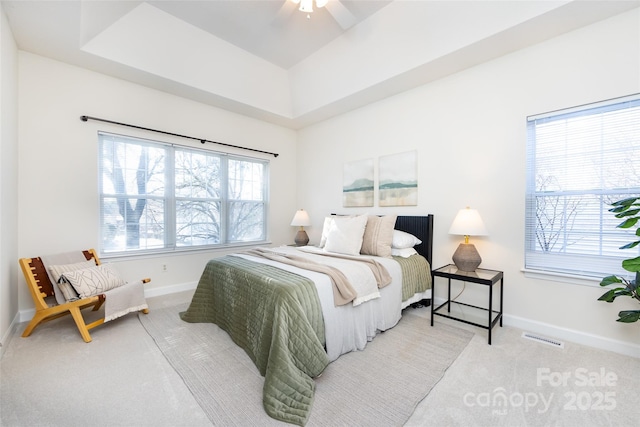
{"x": 118, "y": 301}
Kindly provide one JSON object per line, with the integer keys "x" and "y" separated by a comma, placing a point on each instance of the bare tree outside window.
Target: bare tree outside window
{"x": 555, "y": 217}
{"x": 198, "y": 198}
{"x": 128, "y": 175}
{"x": 579, "y": 161}
{"x": 246, "y": 198}
{"x": 156, "y": 196}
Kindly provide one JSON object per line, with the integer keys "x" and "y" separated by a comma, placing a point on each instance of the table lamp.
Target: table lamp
{"x": 301, "y": 219}
{"x": 467, "y": 223}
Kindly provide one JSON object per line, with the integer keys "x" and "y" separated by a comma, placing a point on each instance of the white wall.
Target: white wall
{"x": 8, "y": 179}
{"x": 58, "y": 203}
{"x": 469, "y": 130}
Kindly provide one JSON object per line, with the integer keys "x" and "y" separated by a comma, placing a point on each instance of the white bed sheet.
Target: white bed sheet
{"x": 349, "y": 328}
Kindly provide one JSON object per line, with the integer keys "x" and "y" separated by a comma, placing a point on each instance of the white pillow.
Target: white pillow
{"x": 345, "y": 235}
{"x": 404, "y": 253}
{"x": 325, "y": 230}
{"x": 327, "y": 226}
{"x": 403, "y": 240}
{"x": 58, "y": 270}
{"x": 94, "y": 280}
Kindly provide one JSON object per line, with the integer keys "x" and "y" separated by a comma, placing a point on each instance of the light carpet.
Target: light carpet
{"x": 379, "y": 386}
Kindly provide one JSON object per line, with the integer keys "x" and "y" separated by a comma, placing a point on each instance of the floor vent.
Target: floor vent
{"x": 543, "y": 340}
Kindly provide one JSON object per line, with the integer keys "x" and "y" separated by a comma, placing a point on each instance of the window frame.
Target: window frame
{"x": 567, "y": 266}
{"x": 171, "y": 199}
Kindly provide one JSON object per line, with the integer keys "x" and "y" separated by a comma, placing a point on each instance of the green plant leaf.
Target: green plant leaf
{"x": 625, "y": 202}
{"x": 628, "y": 223}
{"x": 612, "y": 294}
{"x": 630, "y": 245}
{"x": 625, "y": 211}
{"x": 629, "y": 210}
{"x": 609, "y": 280}
{"x": 632, "y": 264}
{"x": 621, "y": 292}
{"x": 608, "y": 296}
{"x": 629, "y": 316}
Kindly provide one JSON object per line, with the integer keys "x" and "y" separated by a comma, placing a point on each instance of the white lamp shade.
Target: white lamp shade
{"x": 468, "y": 223}
{"x": 301, "y": 219}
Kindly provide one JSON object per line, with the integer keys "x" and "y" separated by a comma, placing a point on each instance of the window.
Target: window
{"x": 158, "y": 197}
{"x": 579, "y": 161}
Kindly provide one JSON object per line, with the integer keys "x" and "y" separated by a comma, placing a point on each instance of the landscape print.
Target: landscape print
{"x": 357, "y": 183}
{"x": 398, "y": 181}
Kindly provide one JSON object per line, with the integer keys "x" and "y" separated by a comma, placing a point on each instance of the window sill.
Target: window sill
{"x": 562, "y": 277}
{"x": 122, "y": 256}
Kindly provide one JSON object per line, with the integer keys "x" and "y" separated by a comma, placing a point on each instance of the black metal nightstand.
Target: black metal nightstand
{"x": 467, "y": 313}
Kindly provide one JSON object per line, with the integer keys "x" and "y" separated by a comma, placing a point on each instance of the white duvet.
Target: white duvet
{"x": 350, "y": 327}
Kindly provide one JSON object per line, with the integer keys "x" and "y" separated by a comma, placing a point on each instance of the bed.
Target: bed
{"x": 288, "y": 312}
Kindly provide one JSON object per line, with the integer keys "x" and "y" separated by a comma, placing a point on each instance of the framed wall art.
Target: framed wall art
{"x": 398, "y": 179}
{"x": 358, "y": 183}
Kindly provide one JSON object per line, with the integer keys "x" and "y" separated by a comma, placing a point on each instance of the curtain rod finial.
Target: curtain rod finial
{"x": 84, "y": 118}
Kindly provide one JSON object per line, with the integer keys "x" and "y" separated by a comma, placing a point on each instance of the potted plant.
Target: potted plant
{"x": 629, "y": 209}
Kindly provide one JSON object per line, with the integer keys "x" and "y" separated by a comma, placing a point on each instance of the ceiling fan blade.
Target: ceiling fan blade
{"x": 341, "y": 14}
{"x": 284, "y": 13}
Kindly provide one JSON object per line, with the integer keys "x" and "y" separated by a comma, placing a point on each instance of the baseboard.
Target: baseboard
{"x": 6, "y": 338}
{"x": 566, "y": 334}
{"x": 173, "y": 289}
{"x": 578, "y": 337}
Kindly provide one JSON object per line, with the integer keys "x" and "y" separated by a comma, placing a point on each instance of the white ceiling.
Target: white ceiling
{"x": 273, "y": 30}
{"x": 267, "y": 60}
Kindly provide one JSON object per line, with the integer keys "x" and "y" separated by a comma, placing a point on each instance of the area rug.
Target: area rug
{"x": 379, "y": 386}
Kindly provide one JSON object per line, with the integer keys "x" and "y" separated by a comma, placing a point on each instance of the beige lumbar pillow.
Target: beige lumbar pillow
{"x": 378, "y": 235}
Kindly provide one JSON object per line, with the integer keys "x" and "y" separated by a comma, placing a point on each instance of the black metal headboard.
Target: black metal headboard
{"x": 422, "y": 228}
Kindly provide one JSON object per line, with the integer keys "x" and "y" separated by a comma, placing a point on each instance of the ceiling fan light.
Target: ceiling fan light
{"x": 321, "y": 3}
{"x": 306, "y": 6}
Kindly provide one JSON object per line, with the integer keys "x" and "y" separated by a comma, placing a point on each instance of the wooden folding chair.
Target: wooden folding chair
{"x": 41, "y": 287}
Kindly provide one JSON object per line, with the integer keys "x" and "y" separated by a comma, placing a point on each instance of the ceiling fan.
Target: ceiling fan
{"x": 340, "y": 13}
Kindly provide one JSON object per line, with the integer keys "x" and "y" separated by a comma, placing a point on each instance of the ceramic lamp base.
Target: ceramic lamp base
{"x": 466, "y": 257}
{"x": 301, "y": 238}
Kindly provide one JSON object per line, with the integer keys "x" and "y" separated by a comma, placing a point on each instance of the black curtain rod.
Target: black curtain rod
{"x": 202, "y": 141}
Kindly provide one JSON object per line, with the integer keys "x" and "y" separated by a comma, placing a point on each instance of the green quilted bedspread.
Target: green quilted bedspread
{"x": 416, "y": 275}
{"x": 275, "y": 316}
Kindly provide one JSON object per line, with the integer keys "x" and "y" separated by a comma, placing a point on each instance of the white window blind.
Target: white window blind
{"x": 579, "y": 161}
{"x": 161, "y": 197}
